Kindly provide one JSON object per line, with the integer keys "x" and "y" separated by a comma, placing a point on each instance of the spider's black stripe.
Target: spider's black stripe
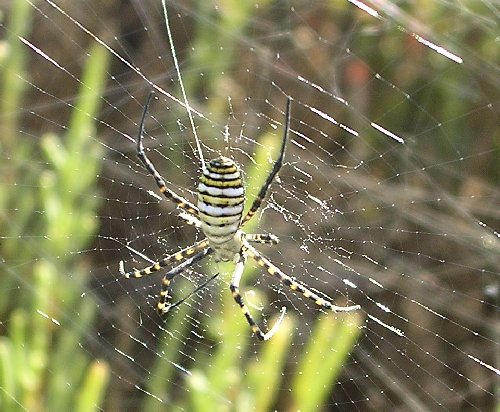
{"x": 220, "y": 201}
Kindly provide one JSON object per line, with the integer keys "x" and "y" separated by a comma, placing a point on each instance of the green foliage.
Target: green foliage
{"x": 232, "y": 20}
{"x": 227, "y": 379}
{"x": 51, "y": 200}
{"x": 12, "y": 70}
{"x": 330, "y": 344}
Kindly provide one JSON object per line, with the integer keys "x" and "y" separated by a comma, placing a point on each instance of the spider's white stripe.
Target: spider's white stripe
{"x": 225, "y": 191}
{"x": 219, "y": 231}
{"x": 220, "y": 176}
{"x": 220, "y": 220}
{"x": 220, "y": 211}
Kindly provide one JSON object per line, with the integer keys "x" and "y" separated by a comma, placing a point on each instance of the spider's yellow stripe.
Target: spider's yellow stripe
{"x": 223, "y": 170}
{"x": 212, "y": 182}
{"x": 222, "y": 201}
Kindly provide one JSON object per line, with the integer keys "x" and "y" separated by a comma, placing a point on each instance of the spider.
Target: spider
{"x": 219, "y": 215}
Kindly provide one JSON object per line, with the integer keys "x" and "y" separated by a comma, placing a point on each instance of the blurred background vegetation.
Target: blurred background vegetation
{"x": 56, "y": 141}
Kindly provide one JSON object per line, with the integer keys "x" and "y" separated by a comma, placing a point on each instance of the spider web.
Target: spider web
{"x": 388, "y": 197}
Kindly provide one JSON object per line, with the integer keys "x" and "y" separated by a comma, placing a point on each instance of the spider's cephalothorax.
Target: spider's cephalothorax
{"x": 219, "y": 214}
{"x": 221, "y": 198}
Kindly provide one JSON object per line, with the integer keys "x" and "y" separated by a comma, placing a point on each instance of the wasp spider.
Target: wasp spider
{"x": 219, "y": 215}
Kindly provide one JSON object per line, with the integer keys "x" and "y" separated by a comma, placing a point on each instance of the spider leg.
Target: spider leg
{"x": 262, "y": 238}
{"x": 276, "y": 167}
{"x": 235, "y": 284}
{"x": 291, "y": 283}
{"x": 164, "y": 303}
{"x": 169, "y": 194}
{"x": 179, "y": 256}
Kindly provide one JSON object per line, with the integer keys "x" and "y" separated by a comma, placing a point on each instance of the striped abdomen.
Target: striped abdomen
{"x": 221, "y": 198}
